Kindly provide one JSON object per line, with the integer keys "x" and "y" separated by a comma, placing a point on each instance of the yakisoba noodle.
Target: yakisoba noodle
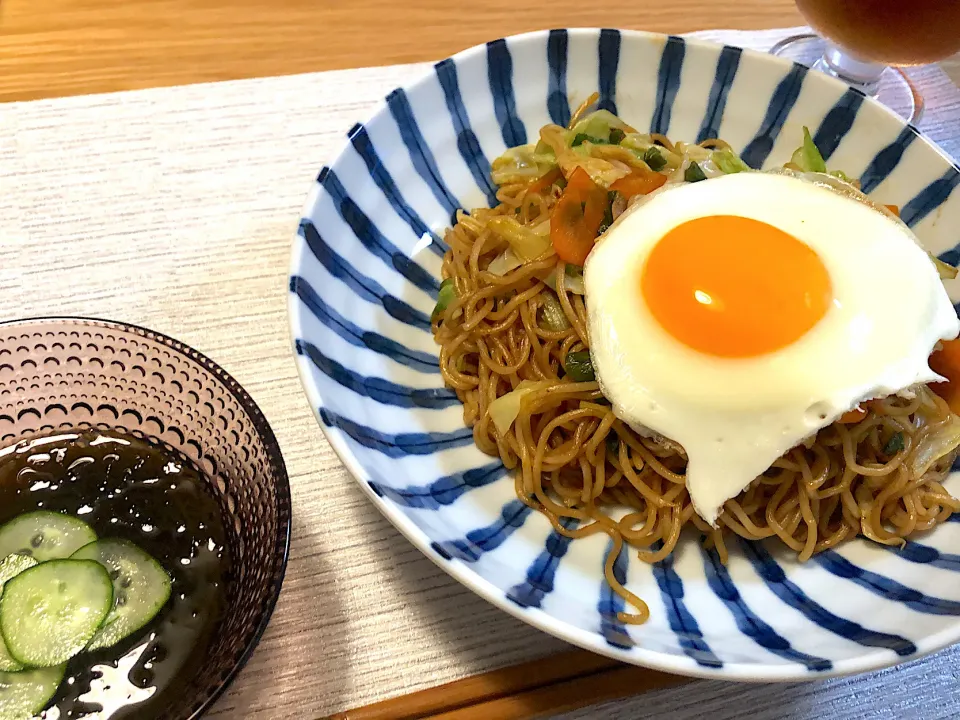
{"x": 878, "y": 475}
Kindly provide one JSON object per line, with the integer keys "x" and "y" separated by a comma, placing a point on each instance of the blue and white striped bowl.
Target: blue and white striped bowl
{"x": 366, "y": 269}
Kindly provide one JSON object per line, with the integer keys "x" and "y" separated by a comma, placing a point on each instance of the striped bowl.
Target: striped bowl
{"x": 365, "y": 274}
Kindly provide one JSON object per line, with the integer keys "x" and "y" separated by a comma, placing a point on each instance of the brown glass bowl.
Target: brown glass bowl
{"x": 69, "y": 373}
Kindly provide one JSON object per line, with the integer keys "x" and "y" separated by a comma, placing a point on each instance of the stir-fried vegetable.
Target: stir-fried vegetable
{"x": 447, "y": 294}
{"x": 600, "y": 128}
{"x": 692, "y": 151}
{"x": 554, "y": 318}
{"x": 640, "y": 143}
{"x": 548, "y": 179}
{"x": 654, "y": 158}
{"x": 580, "y": 138}
{"x": 946, "y": 272}
{"x": 572, "y": 281}
{"x": 504, "y": 410}
{"x": 946, "y": 362}
{"x": 522, "y": 164}
{"x": 807, "y": 157}
{"x": 504, "y": 263}
{"x": 602, "y": 171}
{"x": 853, "y": 416}
{"x": 613, "y": 442}
{"x": 600, "y": 124}
{"x": 894, "y": 445}
{"x": 579, "y": 366}
{"x": 693, "y": 173}
{"x": 728, "y": 161}
{"x": 934, "y": 446}
{"x": 527, "y": 244}
{"x": 639, "y": 182}
{"x": 612, "y": 196}
{"x": 576, "y": 219}
{"x": 840, "y": 174}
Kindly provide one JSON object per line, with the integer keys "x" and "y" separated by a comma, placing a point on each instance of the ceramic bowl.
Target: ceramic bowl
{"x": 365, "y": 272}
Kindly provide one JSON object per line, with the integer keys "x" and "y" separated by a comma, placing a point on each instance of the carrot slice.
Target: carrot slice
{"x": 853, "y": 416}
{"x": 576, "y": 218}
{"x": 895, "y": 209}
{"x": 639, "y": 182}
{"x": 544, "y": 181}
{"x": 580, "y": 180}
{"x": 946, "y": 362}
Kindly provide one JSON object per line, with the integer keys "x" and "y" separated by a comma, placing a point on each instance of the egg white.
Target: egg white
{"x": 735, "y": 417}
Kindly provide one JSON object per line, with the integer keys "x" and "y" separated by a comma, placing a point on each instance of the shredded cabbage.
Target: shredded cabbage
{"x": 807, "y": 157}
{"x": 638, "y": 142}
{"x": 573, "y": 281}
{"x": 688, "y": 155}
{"x": 945, "y": 271}
{"x": 935, "y": 445}
{"x": 504, "y": 263}
{"x": 728, "y": 161}
{"x": 598, "y": 124}
{"x": 554, "y": 318}
{"x": 504, "y": 410}
{"x": 603, "y": 172}
{"x": 692, "y": 151}
{"x": 525, "y": 243}
{"x": 843, "y": 176}
{"x": 522, "y": 164}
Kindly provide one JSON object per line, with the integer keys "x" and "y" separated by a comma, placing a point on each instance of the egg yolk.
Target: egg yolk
{"x": 734, "y": 287}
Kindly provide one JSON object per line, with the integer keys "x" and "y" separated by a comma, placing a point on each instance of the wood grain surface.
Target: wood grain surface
{"x": 52, "y": 48}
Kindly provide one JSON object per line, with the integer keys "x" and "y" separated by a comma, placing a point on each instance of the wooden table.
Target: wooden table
{"x": 52, "y": 48}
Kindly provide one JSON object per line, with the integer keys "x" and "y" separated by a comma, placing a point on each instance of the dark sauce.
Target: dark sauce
{"x": 127, "y": 488}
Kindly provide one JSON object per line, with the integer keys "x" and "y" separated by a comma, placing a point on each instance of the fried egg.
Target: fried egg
{"x": 738, "y": 316}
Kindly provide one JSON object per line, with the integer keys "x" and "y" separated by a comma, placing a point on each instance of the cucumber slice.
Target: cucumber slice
{"x": 45, "y": 535}
{"x": 141, "y": 588}
{"x": 26, "y": 693}
{"x": 13, "y": 565}
{"x": 10, "y": 567}
{"x": 50, "y": 612}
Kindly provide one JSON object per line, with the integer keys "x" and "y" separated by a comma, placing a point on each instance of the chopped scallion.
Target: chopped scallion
{"x": 579, "y": 366}
{"x": 894, "y": 444}
{"x": 654, "y": 158}
{"x": 613, "y": 443}
{"x": 693, "y": 173}
{"x": 580, "y": 138}
{"x": 447, "y": 294}
{"x": 608, "y": 213}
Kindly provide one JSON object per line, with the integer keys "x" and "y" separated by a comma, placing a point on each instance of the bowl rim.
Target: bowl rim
{"x": 264, "y": 430}
{"x": 870, "y": 660}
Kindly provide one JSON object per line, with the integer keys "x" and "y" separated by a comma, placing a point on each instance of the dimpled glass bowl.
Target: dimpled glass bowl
{"x": 365, "y": 273}
{"x": 64, "y": 373}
